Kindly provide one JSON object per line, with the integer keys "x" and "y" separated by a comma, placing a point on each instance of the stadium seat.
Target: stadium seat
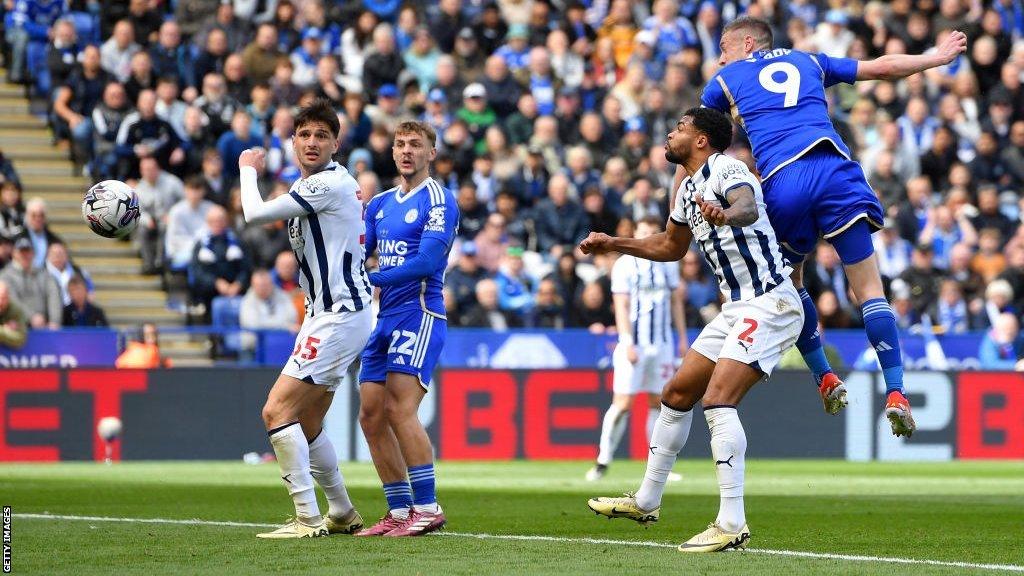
{"x": 224, "y": 315}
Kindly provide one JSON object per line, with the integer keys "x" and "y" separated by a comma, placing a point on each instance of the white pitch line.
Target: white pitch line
{"x": 539, "y": 538}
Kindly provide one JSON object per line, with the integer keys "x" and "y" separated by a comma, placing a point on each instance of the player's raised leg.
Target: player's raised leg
{"x": 287, "y": 401}
{"x": 861, "y": 265}
{"x": 830, "y": 387}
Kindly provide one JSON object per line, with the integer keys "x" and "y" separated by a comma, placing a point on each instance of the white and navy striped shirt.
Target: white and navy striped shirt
{"x": 747, "y": 261}
{"x": 649, "y": 286}
{"x": 328, "y": 241}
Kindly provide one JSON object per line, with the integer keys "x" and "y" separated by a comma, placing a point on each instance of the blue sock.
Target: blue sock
{"x": 399, "y": 495}
{"x": 809, "y": 342}
{"x": 880, "y": 326}
{"x": 422, "y": 480}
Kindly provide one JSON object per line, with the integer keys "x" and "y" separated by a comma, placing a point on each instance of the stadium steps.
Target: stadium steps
{"x": 128, "y": 297}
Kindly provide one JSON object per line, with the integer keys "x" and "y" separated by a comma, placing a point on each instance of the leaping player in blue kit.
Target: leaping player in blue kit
{"x": 811, "y": 186}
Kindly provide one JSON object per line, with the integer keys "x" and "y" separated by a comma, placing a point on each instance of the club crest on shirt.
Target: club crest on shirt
{"x": 435, "y": 219}
{"x": 411, "y": 216}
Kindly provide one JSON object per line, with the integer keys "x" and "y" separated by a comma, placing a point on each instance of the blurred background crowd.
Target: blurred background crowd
{"x": 551, "y": 117}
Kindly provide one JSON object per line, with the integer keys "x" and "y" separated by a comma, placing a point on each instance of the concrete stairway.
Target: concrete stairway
{"x": 128, "y": 297}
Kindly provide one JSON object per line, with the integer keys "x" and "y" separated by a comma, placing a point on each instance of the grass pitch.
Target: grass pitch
{"x": 960, "y": 512}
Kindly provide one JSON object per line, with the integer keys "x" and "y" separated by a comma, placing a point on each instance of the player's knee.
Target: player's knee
{"x": 398, "y": 412}
{"x": 274, "y": 415}
{"x": 372, "y": 419}
{"x": 677, "y": 399}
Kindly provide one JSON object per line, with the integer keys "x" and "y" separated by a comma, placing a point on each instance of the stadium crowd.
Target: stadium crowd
{"x": 550, "y": 115}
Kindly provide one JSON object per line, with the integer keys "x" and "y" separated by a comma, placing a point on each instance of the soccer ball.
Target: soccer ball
{"x": 109, "y": 428}
{"x": 111, "y": 208}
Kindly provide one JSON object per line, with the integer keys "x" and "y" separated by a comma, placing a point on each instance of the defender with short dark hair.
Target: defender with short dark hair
{"x": 322, "y": 111}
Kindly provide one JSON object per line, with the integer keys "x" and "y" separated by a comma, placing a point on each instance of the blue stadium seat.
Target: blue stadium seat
{"x": 224, "y": 315}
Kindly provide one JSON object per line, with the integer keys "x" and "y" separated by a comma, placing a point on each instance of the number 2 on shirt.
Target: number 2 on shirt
{"x": 789, "y": 86}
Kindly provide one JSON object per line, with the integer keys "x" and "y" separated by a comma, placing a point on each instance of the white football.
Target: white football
{"x": 111, "y": 208}
{"x": 109, "y": 428}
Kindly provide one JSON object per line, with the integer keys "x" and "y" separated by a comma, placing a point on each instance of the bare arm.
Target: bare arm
{"x": 742, "y": 210}
{"x": 667, "y": 246}
{"x": 896, "y": 66}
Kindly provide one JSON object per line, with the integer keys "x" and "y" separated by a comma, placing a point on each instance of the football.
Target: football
{"x": 111, "y": 208}
{"x": 109, "y": 428}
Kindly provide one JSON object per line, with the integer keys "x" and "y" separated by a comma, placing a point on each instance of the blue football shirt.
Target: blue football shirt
{"x": 396, "y": 223}
{"x": 778, "y": 97}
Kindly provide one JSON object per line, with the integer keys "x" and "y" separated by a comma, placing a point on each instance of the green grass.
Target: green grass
{"x": 956, "y": 512}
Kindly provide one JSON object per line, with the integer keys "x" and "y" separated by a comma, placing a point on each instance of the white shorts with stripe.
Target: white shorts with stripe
{"x": 327, "y": 345}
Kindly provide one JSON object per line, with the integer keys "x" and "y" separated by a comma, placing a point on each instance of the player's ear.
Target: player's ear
{"x": 433, "y": 153}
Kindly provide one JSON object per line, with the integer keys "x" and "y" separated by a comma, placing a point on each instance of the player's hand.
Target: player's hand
{"x": 954, "y": 45}
{"x": 713, "y": 214}
{"x": 596, "y": 243}
{"x": 631, "y": 354}
{"x": 253, "y": 158}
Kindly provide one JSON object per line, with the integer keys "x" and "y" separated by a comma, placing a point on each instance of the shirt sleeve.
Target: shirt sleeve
{"x": 442, "y": 221}
{"x": 677, "y": 215}
{"x": 732, "y": 174}
{"x": 621, "y": 276}
{"x": 256, "y": 211}
{"x": 837, "y": 70}
{"x": 713, "y": 95}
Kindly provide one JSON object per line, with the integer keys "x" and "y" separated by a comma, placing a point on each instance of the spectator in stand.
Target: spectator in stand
{"x": 825, "y": 272}
{"x": 27, "y": 28}
{"x": 75, "y": 101}
{"x": 560, "y": 222}
{"x": 79, "y": 312}
{"x": 601, "y": 219}
{"x": 499, "y": 88}
{"x": 7, "y": 171}
{"x": 912, "y": 214}
{"x": 989, "y": 262}
{"x": 463, "y": 278}
{"x": 548, "y": 306}
{"x": 116, "y": 53}
{"x": 219, "y": 265}
{"x": 1002, "y": 347}
{"x": 211, "y": 59}
{"x": 952, "y": 315}
{"x": 185, "y": 221}
{"x": 60, "y": 266}
{"x": 215, "y": 102}
{"x": 518, "y": 224}
{"x": 107, "y": 118}
{"x": 265, "y": 307}
{"x": 236, "y": 30}
{"x": 893, "y": 251}
{"x": 922, "y": 279}
{"x": 592, "y": 310}
{"x": 169, "y": 107}
{"x": 158, "y": 192}
{"x": 231, "y": 144}
{"x": 472, "y": 214}
{"x": 486, "y": 313}
{"x": 943, "y": 229}
{"x": 143, "y": 134}
{"x": 37, "y": 230}
{"x": 639, "y": 202}
{"x": 171, "y": 58}
{"x": 61, "y": 57}
{"x": 491, "y": 243}
{"x": 33, "y": 287}
{"x": 260, "y": 57}
{"x": 285, "y": 274}
{"x": 384, "y": 63}
{"x": 13, "y": 322}
{"x": 12, "y": 211}
{"x": 239, "y": 86}
{"x": 515, "y": 287}
{"x": 145, "y": 352}
{"x": 141, "y": 76}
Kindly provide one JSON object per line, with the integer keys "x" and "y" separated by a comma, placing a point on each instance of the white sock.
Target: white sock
{"x": 293, "y": 457}
{"x": 728, "y": 447}
{"x": 652, "y": 419}
{"x": 612, "y": 429}
{"x": 323, "y": 464}
{"x": 667, "y": 439}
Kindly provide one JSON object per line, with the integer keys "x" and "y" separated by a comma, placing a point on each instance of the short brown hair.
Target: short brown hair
{"x": 320, "y": 110}
{"x": 759, "y": 29}
{"x": 416, "y": 127}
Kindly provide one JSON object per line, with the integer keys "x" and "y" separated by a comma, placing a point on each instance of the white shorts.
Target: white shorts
{"x": 327, "y": 345}
{"x": 757, "y": 331}
{"x": 653, "y": 368}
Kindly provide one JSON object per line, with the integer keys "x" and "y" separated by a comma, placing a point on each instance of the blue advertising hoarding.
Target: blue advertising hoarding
{"x": 68, "y": 348}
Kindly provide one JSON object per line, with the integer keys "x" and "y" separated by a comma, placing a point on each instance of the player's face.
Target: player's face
{"x": 735, "y": 45}
{"x": 412, "y": 153}
{"x": 682, "y": 141}
{"x": 314, "y": 144}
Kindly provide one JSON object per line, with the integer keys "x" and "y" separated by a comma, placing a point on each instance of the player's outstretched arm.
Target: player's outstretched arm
{"x": 896, "y": 66}
{"x": 432, "y": 253}
{"x": 254, "y": 209}
{"x": 742, "y": 210}
{"x": 667, "y": 246}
